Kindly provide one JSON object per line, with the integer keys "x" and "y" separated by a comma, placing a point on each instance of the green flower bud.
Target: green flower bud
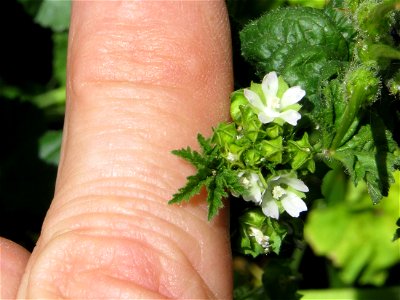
{"x": 374, "y": 19}
{"x": 301, "y": 153}
{"x": 274, "y": 131}
{"x": 224, "y": 134}
{"x": 271, "y": 149}
{"x": 238, "y": 100}
{"x": 251, "y": 157}
{"x": 362, "y": 86}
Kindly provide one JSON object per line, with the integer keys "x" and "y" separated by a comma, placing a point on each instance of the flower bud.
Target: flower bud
{"x": 251, "y": 157}
{"x": 224, "y": 134}
{"x": 271, "y": 149}
{"x": 238, "y": 100}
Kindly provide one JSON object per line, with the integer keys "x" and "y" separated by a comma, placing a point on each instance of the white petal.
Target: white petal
{"x": 270, "y": 208}
{"x": 292, "y": 96}
{"x": 293, "y": 204}
{"x": 254, "y": 99}
{"x": 290, "y": 116}
{"x": 295, "y": 183}
{"x": 264, "y": 118}
{"x": 254, "y": 195}
{"x": 270, "y": 85}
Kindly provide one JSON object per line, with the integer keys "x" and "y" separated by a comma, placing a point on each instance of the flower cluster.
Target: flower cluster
{"x": 260, "y": 146}
{"x": 257, "y": 157}
{"x": 283, "y": 192}
{"x": 274, "y": 104}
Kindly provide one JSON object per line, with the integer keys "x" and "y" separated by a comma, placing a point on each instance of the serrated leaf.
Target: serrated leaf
{"x": 194, "y": 157}
{"x": 204, "y": 144}
{"x": 371, "y": 155}
{"x": 215, "y": 192}
{"x": 193, "y": 186}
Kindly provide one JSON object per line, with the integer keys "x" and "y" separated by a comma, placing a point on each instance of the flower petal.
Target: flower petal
{"x": 293, "y": 204}
{"x": 292, "y": 96}
{"x": 267, "y": 115}
{"x": 254, "y": 99}
{"x": 270, "y": 85}
{"x": 295, "y": 183}
{"x": 270, "y": 208}
{"x": 290, "y": 116}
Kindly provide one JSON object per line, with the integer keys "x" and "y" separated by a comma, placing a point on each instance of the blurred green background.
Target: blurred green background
{"x": 348, "y": 241}
{"x": 32, "y": 98}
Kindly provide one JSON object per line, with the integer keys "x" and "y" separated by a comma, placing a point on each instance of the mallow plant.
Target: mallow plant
{"x": 327, "y": 98}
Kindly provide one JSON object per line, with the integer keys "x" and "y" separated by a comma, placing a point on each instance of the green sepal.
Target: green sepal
{"x": 271, "y": 150}
{"x": 302, "y": 154}
{"x": 224, "y": 134}
{"x": 251, "y": 157}
{"x": 238, "y": 100}
{"x": 273, "y": 131}
{"x": 270, "y": 227}
{"x": 250, "y": 123}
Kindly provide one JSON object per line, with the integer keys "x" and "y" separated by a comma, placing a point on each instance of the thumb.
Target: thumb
{"x": 144, "y": 78}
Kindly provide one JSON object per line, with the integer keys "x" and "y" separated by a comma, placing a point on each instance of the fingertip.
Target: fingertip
{"x": 13, "y": 260}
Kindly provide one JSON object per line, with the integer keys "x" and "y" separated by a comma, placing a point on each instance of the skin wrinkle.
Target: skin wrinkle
{"x": 92, "y": 243}
{"x": 93, "y": 174}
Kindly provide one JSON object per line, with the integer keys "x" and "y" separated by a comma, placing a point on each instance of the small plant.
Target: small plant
{"x": 325, "y": 101}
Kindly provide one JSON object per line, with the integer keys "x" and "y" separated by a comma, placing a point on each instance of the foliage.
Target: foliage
{"x": 358, "y": 225}
{"x": 344, "y": 55}
{"x": 32, "y": 100}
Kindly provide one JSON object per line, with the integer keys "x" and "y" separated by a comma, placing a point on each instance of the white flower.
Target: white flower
{"x": 261, "y": 239}
{"x": 274, "y": 107}
{"x": 279, "y": 191}
{"x": 253, "y": 185}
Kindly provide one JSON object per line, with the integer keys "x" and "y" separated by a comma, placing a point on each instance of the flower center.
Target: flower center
{"x": 275, "y": 103}
{"x": 246, "y": 182}
{"x": 278, "y": 192}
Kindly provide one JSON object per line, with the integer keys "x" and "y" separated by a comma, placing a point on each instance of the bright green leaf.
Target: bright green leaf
{"x": 54, "y": 14}
{"x": 356, "y": 235}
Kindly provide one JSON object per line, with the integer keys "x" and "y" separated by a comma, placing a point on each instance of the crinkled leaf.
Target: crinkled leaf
{"x": 303, "y": 44}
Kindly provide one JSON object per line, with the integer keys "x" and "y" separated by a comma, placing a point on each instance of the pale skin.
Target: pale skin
{"x": 144, "y": 77}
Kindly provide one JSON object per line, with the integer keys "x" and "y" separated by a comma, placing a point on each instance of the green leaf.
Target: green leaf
{"x": 279, "y": 280}
{"x": 193, "y": 186}
{"x": 31, "y": 7}
{"x": 301, "y": 43}
{"x": 211, "y": 174}
{"x": 50, "y": 146}
{"x": 354, "y": 234}
{"x": 54, "y": 14}
{"x": 371, "y": 155}
{"x": 60, "y": 41}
